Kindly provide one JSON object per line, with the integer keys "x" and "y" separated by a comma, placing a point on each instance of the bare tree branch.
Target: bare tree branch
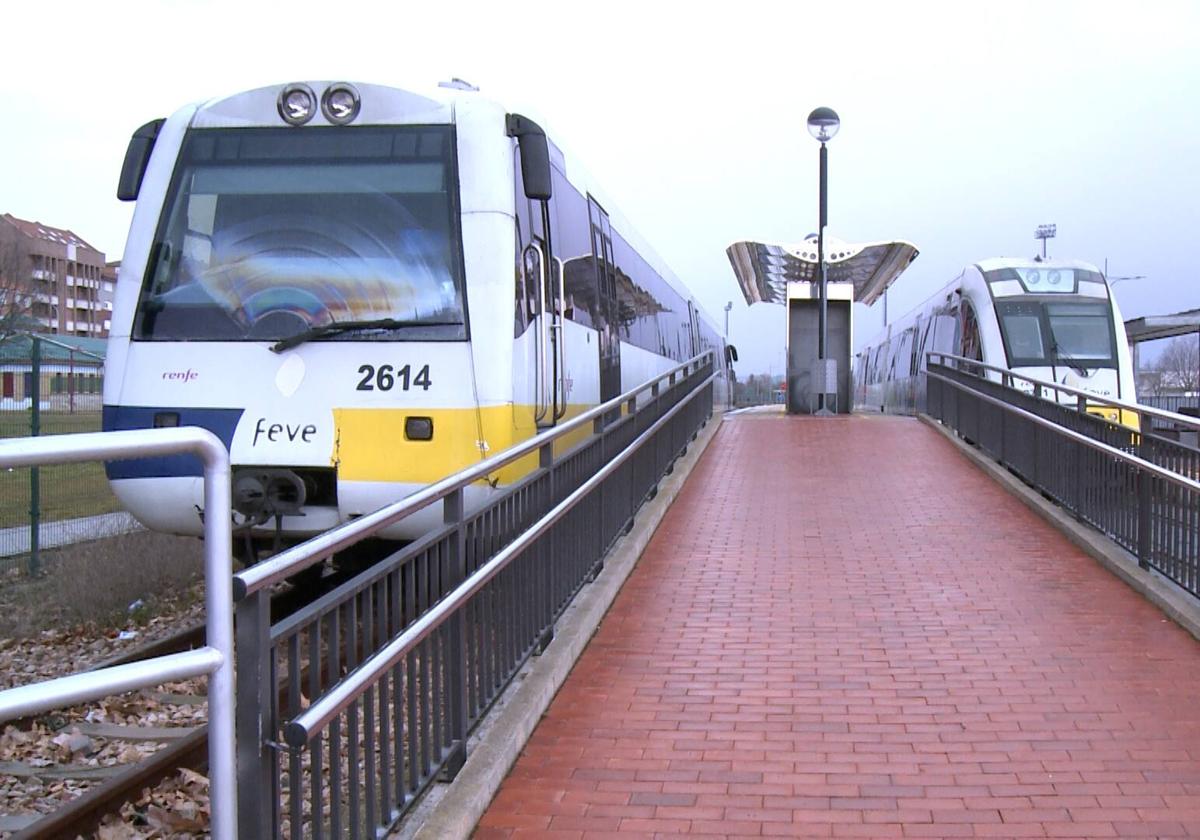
{"x": 1180, "y": 363}
{"x": 16, "y": 284}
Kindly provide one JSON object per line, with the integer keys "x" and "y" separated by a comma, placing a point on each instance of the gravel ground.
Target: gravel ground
{"x": 95, "y": 601}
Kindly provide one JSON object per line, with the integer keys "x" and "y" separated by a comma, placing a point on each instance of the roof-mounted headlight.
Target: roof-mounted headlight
{"x": 340, "y": 104}
{"x": 297, "y": 104}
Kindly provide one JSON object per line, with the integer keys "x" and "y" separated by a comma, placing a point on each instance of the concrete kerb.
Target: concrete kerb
{"x": 451, "y": 811}
{"x": 1178, "y": 605}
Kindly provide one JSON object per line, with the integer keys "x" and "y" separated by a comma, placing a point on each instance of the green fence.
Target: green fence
{"x": 51, "y": 386}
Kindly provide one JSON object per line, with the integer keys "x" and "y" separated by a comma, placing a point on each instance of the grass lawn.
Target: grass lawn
{"x": 67, "y": 490}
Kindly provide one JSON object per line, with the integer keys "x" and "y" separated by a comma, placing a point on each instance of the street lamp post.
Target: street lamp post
{"x": 823, "y": 124}
{"x": 728, "y": 306}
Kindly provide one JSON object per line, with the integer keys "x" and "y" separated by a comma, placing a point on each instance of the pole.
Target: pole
{"x": 35, "y": 429}
{"x": 822, "y": 217}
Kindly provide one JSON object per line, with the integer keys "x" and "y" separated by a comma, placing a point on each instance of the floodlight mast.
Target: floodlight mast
{"x": 1043, "y": 233}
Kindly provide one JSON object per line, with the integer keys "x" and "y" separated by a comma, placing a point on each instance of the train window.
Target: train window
{"x": 267, "y": 233}
{"x": 1081, "y": 331}
{"x": 1048, "y": 333}
{"x": 1024, "y": 333}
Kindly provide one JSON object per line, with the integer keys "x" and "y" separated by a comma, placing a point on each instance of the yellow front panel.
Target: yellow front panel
{"x": 370, "y": 443}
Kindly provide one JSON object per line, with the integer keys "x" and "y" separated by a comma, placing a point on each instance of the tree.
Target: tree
{"x": 1179, "y": 364}
{"x": 16, "y": 285}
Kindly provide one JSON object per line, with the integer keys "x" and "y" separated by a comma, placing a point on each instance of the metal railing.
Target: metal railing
{"x": 349, "y": 709}
{"x": 1127, "y": 484}
{"x": 1171, "y": 402}
{"x": 1074, "y": 408}
{"x": 51, "y": 388}
{"x": 215, "y": 660}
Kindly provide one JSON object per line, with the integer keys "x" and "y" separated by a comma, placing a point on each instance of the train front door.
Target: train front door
{"x": 606, "y": 295}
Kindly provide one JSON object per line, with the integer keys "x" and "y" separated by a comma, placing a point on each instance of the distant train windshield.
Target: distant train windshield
{"x": 268, "y": 233}
{"x": 1052, "y": 332}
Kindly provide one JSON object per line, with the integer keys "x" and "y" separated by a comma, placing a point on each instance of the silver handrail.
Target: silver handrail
{"x": 1111, "y": 451}
{"x": 300, "y": 729}
{"x": 1162, "y": 414}
{"x": 560, "y": 385}
{"x": 295, "y": 559}
{"x": 543, "y": 334}
{"x": 215, "y": 659}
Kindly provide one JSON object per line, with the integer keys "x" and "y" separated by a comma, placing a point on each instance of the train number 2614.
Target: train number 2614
{"x": 385, "y": 378}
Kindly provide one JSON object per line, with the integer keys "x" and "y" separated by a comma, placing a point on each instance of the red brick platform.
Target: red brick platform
{"x": 843, "y": 628}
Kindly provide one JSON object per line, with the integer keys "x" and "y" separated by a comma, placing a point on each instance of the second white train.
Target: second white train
{"x": 1053, "y": 320}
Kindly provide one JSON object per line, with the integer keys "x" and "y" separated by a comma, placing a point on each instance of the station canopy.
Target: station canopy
{"x": 1154, "y": 327}
{"x": 764, "y": 270}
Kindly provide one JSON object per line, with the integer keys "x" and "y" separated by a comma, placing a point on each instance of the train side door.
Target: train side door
{"x": 606, "y": 295}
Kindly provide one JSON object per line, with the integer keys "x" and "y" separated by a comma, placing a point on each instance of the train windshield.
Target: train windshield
{"x": 270, "y": 233}
{"x": 1044, "y": 333}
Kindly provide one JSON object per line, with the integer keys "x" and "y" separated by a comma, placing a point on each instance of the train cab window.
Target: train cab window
{"x": 1052, "y": 332}
{"x": 267, "y": 234}
{"x": 1024, "y": 334}
{"x": 1081, "y": 331}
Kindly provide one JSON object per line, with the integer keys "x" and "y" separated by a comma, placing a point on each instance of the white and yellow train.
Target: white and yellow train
{"x": 362, "y": 289}
{"x": 1052, "y": 320}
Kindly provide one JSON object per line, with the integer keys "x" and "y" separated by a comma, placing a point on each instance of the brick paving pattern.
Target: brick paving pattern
{"x": 844, "y": 629}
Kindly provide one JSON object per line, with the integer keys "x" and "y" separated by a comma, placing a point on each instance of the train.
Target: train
{"x": 1050, "y": 319}
{"x": 361, "y": 289}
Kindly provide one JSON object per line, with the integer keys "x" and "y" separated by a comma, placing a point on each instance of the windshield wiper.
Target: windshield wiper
{"x": 337, "y": 327}
{"x": 1073, "y": 362}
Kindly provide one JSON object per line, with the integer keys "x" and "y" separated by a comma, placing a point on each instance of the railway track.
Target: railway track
{"x": 185, "y": 747}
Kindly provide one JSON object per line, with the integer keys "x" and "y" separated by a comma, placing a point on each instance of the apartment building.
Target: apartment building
{"x": 65, "y": 287}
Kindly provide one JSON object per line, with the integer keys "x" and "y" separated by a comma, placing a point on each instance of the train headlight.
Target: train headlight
{"x": 297, "y": 104}
{"x": 418, "y": 428}
{"x": 340, "y": 104}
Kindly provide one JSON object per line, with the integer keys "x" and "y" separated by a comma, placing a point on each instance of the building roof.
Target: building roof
{"x": 54, "y": 348}
{"x": 37, "y": 230}
{"x": 1153, "y": 327}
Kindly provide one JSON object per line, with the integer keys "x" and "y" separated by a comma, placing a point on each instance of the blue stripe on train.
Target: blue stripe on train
{"x": 220, "y": 421}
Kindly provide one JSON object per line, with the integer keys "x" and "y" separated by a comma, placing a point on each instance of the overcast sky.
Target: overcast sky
{"x": 964, "y": 125}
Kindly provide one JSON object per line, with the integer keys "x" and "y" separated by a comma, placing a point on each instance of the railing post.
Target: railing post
{"x": 599, "y": 427}
{"x": 258, "y": 796}
{"x": 1145, "y": 493}
{"x": 548, "y": 551}
{"x": 35, "y": 429}
{"x": 1079, "y": 453}
{"x": 456, "y": 634}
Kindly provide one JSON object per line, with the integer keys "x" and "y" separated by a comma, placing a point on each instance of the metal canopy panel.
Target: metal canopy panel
{"x": 1153, "y": 327}
{"x": 764, "y": 270}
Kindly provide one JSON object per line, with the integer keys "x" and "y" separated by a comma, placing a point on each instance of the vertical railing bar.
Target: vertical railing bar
{"x": 353, "y": 736}
{"x": 255, "y": 723}
{"x": 295, "y": 768}
{"x": 315, "y": 772}
{"x": 383, "y": 622}
{"x": 395, "y": 627}
{"x": 336, "y": 828}
{"x": 436, "y": 699}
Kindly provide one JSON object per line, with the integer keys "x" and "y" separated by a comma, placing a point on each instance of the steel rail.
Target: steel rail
{"x": 300, "y": 730}
{"x": 216, "y": 658}
{"x": 83, "y": 814}
{"x": 296, "y": 559}
{"x": 1112, "y": 451}
{"x": 1160, "y": 413}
